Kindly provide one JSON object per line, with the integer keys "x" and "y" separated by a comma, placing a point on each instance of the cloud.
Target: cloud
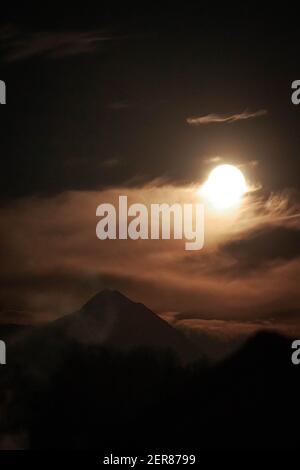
{"x": 217, "y": 338}
{"x": 52, "y": 261}
{"x": 218, "y": 118}
{"x": 272, "y": 245}
{"x": 119, "y": 105}
{"x": 110, "y": 162}
{"x": 21, "y": 46}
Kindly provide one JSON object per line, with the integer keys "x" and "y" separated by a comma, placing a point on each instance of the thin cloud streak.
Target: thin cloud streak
{"x": 21, "y": 46}
{"x": 218, "y": 118}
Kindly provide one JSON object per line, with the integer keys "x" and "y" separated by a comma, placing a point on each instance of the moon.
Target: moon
{"x": 224, "y": 187}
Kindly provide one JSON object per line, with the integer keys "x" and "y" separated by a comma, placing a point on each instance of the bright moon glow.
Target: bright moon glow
{"x": 225, "y": 187}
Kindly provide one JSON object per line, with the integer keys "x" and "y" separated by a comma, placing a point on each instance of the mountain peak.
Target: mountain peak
{"x": 114, "y": 321}
{"x": 107, "y": 297}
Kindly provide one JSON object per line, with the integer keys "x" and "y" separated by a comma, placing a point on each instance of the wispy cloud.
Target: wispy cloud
{"x": 250, "y": 264}
{"x": 119, "y": 105}
{"x": 219, "y": 118}
{"x": 110, "y": 162}
{"x": 20, "y": 46}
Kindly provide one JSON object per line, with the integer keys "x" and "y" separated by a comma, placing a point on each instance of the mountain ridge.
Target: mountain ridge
{"x": 111, "y": 319}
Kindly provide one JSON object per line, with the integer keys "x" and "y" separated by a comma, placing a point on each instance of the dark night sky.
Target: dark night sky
{"x": 127, "y": 98}
{"x": 99, "y": 98}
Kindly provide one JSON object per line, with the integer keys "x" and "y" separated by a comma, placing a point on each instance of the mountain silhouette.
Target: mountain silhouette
{"x": 87, "y": 381}
{"x": 112, "y": 320}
